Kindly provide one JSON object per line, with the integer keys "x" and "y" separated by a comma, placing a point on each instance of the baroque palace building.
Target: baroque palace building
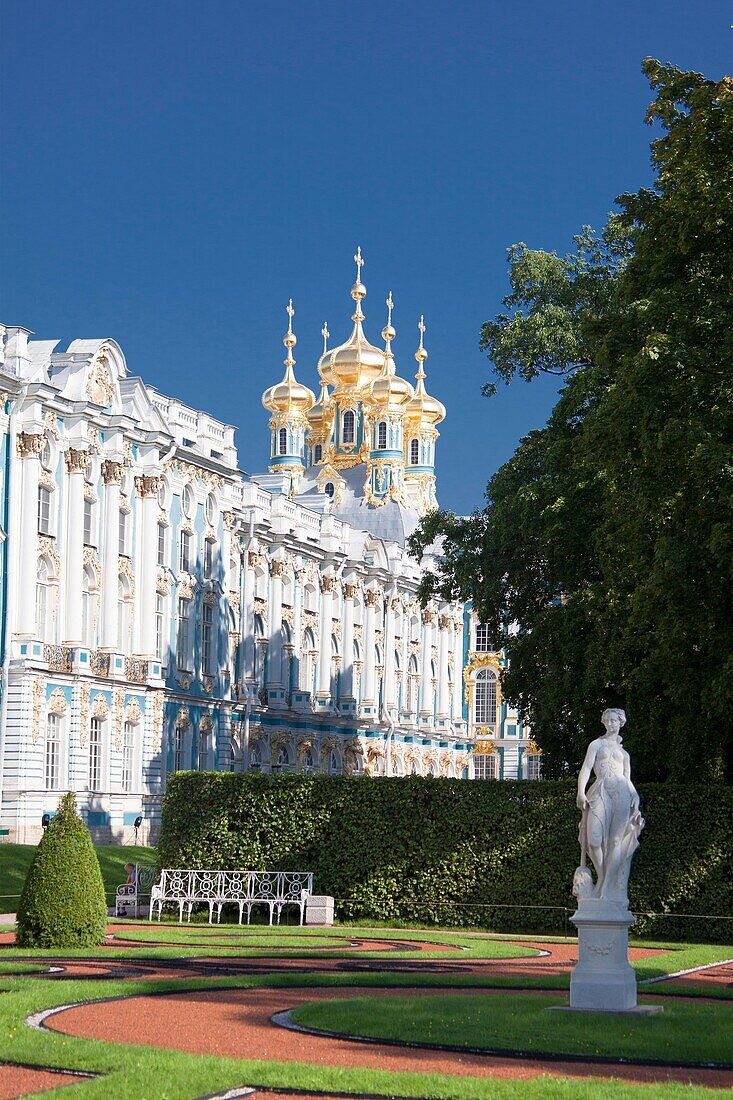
{"x": 162, "y": 611}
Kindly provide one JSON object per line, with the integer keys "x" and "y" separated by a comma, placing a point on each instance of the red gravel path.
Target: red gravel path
{"x": 21, "y": 1081}
{"x": 237, "y": 1024}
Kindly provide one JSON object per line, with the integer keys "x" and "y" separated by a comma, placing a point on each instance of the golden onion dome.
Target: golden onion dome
{"x": 289, "y": 395}
{"x": 389, "y": 388}
{"x": 321, "y": 410}
{"x": 422, "y": 407}
{"x": 357, "y": 362}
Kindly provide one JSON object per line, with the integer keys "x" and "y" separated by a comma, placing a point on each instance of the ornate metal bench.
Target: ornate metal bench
{"x": 129, "y": 896}
{"x": 245, "y": 889}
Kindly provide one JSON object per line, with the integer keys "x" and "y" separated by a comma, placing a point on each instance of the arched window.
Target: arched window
{"x": 347, "y": 430}
{"x": 42, "y": 600}
{"x": 87, "y": 608}
{"x": 308, "y": 762}
{"x": 309, "y": 598}
{"x": 317, "y": 454}
{"x": 205, "y": 746}
{"x": 334, "y": 763}
{"x": 282, "y": 762}
{"x": 282, "y": 441}
{"x": 484, "y": 705}
{"x": 329, "y": 489}
{"x": 308, "y": 662}
{"x": 255, "y": 758}
{"x": 382, "y": 435}
{"x": 414, "y": 452}
{"x": 413, "y": 681}
{"x": 124, "y": 606}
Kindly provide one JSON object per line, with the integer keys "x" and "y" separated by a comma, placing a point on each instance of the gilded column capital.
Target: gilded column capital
{"x": 396, "y": 603}
{"x": 229, "y": 520}
{"x": 428, "y": 615}
{"x": 349, "y": 591}
{"x": 446, "y": 622}
{"x": 29, "y": 445}
{"x": 76, "y": 461}
{"x": 328, "y": 583}
{"x": 148, "y": 485}
{"x": 112, "y": 472}
{"x": 371, "y": 597}
{"x": 277, "y": 568}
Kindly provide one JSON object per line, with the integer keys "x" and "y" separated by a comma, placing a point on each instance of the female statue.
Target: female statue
{"x": 611, "y": 822}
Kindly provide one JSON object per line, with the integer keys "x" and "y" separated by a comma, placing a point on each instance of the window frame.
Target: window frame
{"x": 95, "y": 759}
{"x": 53, "y": 723}
{"x": 348, "y": 426}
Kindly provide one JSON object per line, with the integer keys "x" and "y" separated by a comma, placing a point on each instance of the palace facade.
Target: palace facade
{"x": 161, "y": 611}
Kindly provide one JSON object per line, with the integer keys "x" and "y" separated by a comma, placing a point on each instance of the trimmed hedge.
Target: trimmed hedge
{"x": 63, "y": 902}
{"x": 450, "y": 852}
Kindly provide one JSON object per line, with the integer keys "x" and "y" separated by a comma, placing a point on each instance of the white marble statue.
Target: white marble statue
{"x": 611, "y": 821}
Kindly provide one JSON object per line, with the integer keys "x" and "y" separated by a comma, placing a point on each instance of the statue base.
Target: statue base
{"x": 602, "y": 979}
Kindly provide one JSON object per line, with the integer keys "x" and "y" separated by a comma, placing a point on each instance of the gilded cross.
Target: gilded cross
{"x": 390, "y": 307}
{"x": 421, "y": 326}
{"x": 291, "y": 313}
{"x": 359, "y": 261}
{"x": 325, "y": 334}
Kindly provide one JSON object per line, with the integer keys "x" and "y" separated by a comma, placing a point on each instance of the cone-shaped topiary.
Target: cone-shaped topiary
{"x": 63, "y": 902}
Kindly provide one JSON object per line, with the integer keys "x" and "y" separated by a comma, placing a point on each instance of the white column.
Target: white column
{"x": 426, "y": 686}
{"x": 147, "y": 491}
{"x": 29, "y": 449}
{"x": 446, "y": 626}
{"x": 275, "y": 648}
{"x": 298, "y": 625}
{"x": 348, "y": 702}
{"x": 247, "y": 617}
{"x": 112, "y": 474}
{"x": 324, "y": 656}
{"x": 76, "y": 464}
{"x": 368, "y": 703}
{"x": 458, "y": 673}
{"x": 227, "y": 520}
{"x": 390, "y": 692}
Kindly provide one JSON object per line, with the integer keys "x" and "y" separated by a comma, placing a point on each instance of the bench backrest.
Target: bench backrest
{"x": 176, "y": 884}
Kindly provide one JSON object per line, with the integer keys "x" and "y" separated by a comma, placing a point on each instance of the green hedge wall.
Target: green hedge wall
{"x": 450, "y": 852}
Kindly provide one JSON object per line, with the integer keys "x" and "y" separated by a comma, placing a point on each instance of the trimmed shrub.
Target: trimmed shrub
{"x": 450, "y": 852}
{"x": 63, "y": 902}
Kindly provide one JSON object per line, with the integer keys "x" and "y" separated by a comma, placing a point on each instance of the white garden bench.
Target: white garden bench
{"x": 275, "y": 889}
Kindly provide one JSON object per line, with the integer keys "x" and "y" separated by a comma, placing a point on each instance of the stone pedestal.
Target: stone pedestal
{"x": 319, "y": 910}
{"x": 602, "y": 979}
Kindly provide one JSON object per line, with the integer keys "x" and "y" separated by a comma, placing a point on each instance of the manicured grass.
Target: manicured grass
{"x": 15, "y": 859}
{"x": 169, "y": 1075}
{"x": 682, "y": 1033}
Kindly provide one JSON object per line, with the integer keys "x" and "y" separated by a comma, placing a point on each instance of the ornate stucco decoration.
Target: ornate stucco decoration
{"x": 187, "y": 470}
{"x": 336, "y": 627}
{"x": 211, "y": 597}
{"x": 133, "y": 713}
{"x": 119, "y": 713}
{"x": 484, "y": 746}
{"x": 207, "y": 722}
{"x": 277, "y": 568}
{"x": 28, "y": 445}
{"x": 163, "y": 582}
{"x": 47, "y": 549}
{"x": 260, "y": 607}
{"x": 532, "y": 749}
{"x": 50, "y": 423}
{"x": 208, "y": 684}
{"x": 288, "y": 615}
{"x": 84, "y": 693}
{"x": 76, "y": 460}
{"x": 158, "y": 718}
{"x": 327, "y": 582}
{"x": 91, "y": 558}
{"x": 256, "y": 734}
{"x": 125, "y": 570}
{"x": 100, "y": 387}
{"x": 183, "y": 719}
{"x": 148, "y": 485}
{"x": 304, "y": 745}
{"x": 100, "y": 706}
{"x": 353, "y": 753}
{"x": 39, "y": 689}
{"x": 57, "y": 702}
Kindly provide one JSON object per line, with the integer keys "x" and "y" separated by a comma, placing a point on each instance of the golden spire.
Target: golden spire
{"x": 389, "y": 389}
{"x": 288, "y": 395}
{"x": 358, "y": 290}
{"x": 388, "y": 335}
{"x": 423, "y": 407}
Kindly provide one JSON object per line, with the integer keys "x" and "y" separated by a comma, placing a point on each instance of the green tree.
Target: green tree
{"x": 63, "y": 902}
{"x": 607, "y": 540}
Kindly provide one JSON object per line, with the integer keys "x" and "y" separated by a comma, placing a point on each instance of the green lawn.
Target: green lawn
{"x": 15, "y": 859}
{"x": 682, "y": 1033}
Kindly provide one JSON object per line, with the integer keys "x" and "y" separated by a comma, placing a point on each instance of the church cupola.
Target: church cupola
{"x": 320, "y": 417}
{"x": 422, "y": 412}
{"x": 289, "y": 402}
{"x": 388, "y": 397}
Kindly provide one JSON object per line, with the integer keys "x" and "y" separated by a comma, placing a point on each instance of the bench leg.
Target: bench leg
{"x": 180, "y": 912}
{"x": 272, "y": 912}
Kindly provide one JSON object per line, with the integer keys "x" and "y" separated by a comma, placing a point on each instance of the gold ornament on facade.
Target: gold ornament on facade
{"x": 84, "y": 693}
{"x": 148, "y": 485}
{"x": 29, "y": 446}
{"x": 76, "y": 460}
{"x": 119, "y": 713}
{"x": 47, "y": 549}
{"x": 100, "y": 706}
{"x": 327, "y": 582}
{"x": 158, "y": 717}
{"x": 57, "y": 702}
{"x": 532, "y": 749}
{"x": 207, "y": 722}
{"x": 133, "y": 712}
{"x": 484, "y": 746}
{"x": 277, "y": 568}
{"x": 50, "y": 423}
{"x": 183, "y": 719}
{"x": 125, "y": 570}
{"x": 39, "y": 688}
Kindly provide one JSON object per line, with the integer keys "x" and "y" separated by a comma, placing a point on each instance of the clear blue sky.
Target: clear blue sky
{"x": 174, "y": 172}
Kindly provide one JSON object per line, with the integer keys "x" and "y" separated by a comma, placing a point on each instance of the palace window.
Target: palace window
{"x": 308, "y": 767}
{"x": 282, "y": 441}
{"x": 255, "y": 758}
{"x": 414, "y": 452}
{"x": 184, "y": 564}
{"x": 95, "y": 754}
{"x": 486, "y": 765}
{"x": 209, "y": 556}
{"x": 382, "y": 435}
{"x": 334, "y": 763}
{"x": 124, "y": 606}
{"x": 89, "y": 539}
{"x": 205, "y": 741}
{"x": 484, "y": 706}
{"x": 483, "y": 641}
{"x": 207, "y": 639}
{"x": 87, "y": 608}
{"x": 122, "y": 542}
{"x": 348, "y": 425}
{"x": 179, "y": 749}
{"x": 128, "y": 756}
{"x": 211, "y": 510}
{"x": 42, "y": 599}
{"x": 53, "y": 752}
{"x": 187, "y": 501}
{"x": 184, "y": 627}
{"x": 44, "y": 511}
{"x": 329, "y": 489}
{"x": 533, "y": 765}
{"x": 317, "y": 454}
{"x": 159, "y": 625}
{"x": 161, "y": 543}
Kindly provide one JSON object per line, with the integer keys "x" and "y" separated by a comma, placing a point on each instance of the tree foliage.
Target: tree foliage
{"x": 605, "y": 551}
{"x": 63, "y": 902}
